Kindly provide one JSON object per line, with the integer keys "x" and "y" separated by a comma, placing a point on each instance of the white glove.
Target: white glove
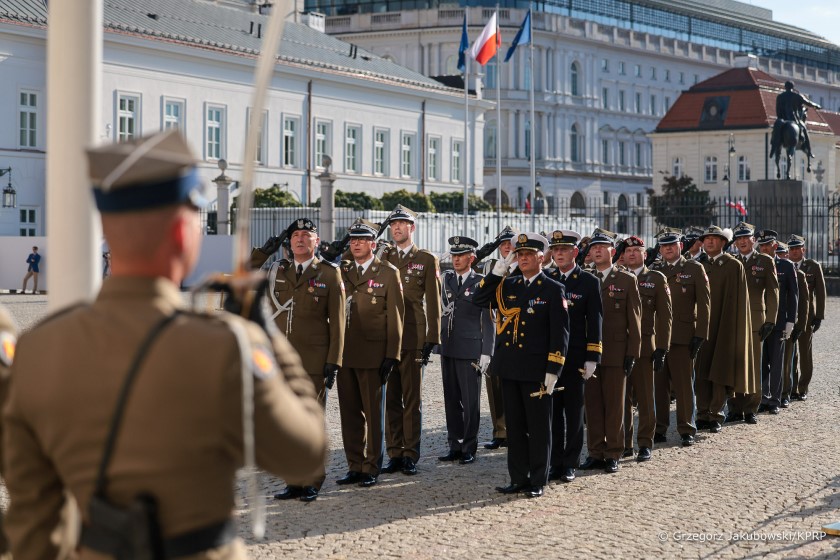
{"x": 788, "y": 330}
{"x": 550, "y": 382}
{"x": 588, "y": 370}
{"x": 502, "y": 265}
{"x": 483, "y": 363}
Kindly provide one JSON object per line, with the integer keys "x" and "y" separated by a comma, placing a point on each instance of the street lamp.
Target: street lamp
{"x": 9, "y": 192}
{"x": 728, "y": 172}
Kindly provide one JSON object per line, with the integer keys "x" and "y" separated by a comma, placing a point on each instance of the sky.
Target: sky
{"x": 819, "y": 16}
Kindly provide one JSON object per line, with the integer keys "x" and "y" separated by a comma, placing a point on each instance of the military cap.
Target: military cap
{"x": 766, "y": 236}
{"x": 403, "y": 213}
{"x": 363, "y": 228}
{"x": 666, "y": 236}
{"x": 781, "y": 248}
{"x": 796, "y": 241}
{"x": 692, "y": 234}
{"x": 149, "y": 172}
{"x": 459, "y": 245}
{"x": 602, "y": 237}
{"x": 530, "y": 242}
{"x": 714, "y": 230}
{"x": 634, "y": 241}
{"x": 302, "y": 224}
{"x": 506, "y": 234}
{"x": 565, "y": 237}
{"x": 743, "y": 230}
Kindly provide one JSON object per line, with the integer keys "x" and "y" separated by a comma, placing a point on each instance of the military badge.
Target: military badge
{"x": 7, "y": 348}
{"x": 523, "y": 238}
{"x": 263, "y": 363}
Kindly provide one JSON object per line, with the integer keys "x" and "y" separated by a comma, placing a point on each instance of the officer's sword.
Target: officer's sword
{"x": 543, "y": 393}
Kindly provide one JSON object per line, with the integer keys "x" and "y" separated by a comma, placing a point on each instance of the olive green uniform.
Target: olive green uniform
{"x": 817, "y": 294}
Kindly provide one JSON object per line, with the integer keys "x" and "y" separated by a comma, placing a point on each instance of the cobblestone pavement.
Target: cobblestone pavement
{"x": 749, "y": 492}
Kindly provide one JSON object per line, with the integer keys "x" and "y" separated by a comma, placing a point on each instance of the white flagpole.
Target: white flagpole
{"x": 533, "y": 153}
{"x": 498, "y": 134}
{"x": 466, "y": 137}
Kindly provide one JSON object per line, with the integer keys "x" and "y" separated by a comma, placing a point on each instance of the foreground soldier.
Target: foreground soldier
{"x": 311, "y": 315}
{"x": 180, "y": 441}
{"x": 531, "y": 343}
{"x": 817, "y": 293}
{"x": 420, "y": 275}
{"x": 8, "y": 340}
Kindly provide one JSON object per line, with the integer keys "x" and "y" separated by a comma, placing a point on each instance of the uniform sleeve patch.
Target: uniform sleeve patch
{"x": 263, "y": 363}
{"x": 7, "y": 348}
{"x": 594, "y": 347}
{"x": 556, "y": 357}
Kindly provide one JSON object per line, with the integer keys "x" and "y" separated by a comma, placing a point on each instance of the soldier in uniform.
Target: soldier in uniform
{"x": 493, "y": 383}
{"x": 309, "y": 297}
{"x": 8, "y": 340}
{"x": 772, "y": 363}
{"x": 802, "y": 319}
{"x": 656, "y": 339}
{"x": 763, "y": 288}
{"x": 467, "y": 335}
{"x": 622, "y": 336}
{"x": 372, "y": 341}
{"x": 724, "y": 363}
{"x": 816, "y": 292}
{"x": 418, "y": 269}
{"x": 689, "y": 329}
{"x": 583, "y": 294}
{"x": 180, "y": 437}
{"x": 531, "y": 342}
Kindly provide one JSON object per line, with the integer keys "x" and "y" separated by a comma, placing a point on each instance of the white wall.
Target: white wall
{"x": 13, "y": 253}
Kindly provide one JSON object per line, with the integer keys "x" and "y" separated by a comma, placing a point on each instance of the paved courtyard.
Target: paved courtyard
{"x": 759, "y": 491}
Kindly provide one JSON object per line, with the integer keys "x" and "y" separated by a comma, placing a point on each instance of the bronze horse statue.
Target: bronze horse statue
{"x": 786, "y": 135}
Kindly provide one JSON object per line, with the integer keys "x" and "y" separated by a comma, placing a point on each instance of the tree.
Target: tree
{"x": 418, "y": 202}
{"x": 274, "y": 197}
{"x": 681, "y": 203}
{"x": 354, "y": 200}
{"x": 454, "y": 202}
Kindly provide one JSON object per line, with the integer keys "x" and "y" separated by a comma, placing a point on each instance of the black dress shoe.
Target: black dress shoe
{"x": 703, "y": 424}
{"x": 714, "y": 427}
{"x": 687, "y": 439}
{"x": 394, "y": 465}
{"x": 495, "y": 443}
{"x": 785, "y": 402}
{"x": 659, "y": 438}
{"x": 409, "y": 467}
{"x": 367, "y": 480}
{"x": 534, "y": 491}
{"x": 289, "y": 493}
{"x": 568, "y": 475}
{"x": 644, "y": 454}
{"x": 750, "y": 418}
{"x": 762, "y": 408}
{"x": 610, "y": 466}
{"x": 803, "y": 396}
{"x": 773, "y": 409}
{"x": 628, "y": 452}
{"x": 451, "y": 456}
{"x": 592, "y": 463}
{"x": 734, "y": 417}
{"x": 467, "y": 459}
{"x": 795, "y": 397}
{"x": 352, "y": 477}
{"x": 554, "y": 473}
{"x": 512, "y": 488}
{"x": 309, "y": 494}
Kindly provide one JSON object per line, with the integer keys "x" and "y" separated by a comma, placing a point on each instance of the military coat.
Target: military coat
{"x": 420, "y": 276}
{"x": 467, "y": 329}
{"x": 622, "y": 317}
{"x": 583, "y": 297}
{"x": 657, "y": 313}
{"x": 690, "y": 301}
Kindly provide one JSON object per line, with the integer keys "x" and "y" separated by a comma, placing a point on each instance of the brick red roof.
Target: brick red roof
{"x": 743, "y": 97}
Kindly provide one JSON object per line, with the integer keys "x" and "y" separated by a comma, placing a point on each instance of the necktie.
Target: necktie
{"x": 361, "y": 271}
{"x": 601, "y": 276}
{"x": 527, "y": 283}
{"x": 460, "y": 282}
{"x": 299, "y": 271}
{"x": 402, "y": 255}
{"x": 563, "y": 278}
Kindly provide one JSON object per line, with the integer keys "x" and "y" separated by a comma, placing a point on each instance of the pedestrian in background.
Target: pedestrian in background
{"x": 33, "y": 261}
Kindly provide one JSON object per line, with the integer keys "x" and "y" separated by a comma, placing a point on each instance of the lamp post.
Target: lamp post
{"x": 9, "y": 192}
{"x": 728, "y": 174}
{"x": 222, "y": 200}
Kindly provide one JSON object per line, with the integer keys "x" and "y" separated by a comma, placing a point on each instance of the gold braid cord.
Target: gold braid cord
{"x": 508, "y": 314}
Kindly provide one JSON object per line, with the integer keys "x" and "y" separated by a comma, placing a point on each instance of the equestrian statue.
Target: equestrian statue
{"x": 789, "y": 130}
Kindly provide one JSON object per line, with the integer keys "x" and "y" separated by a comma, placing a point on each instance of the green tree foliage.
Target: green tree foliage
{"x": 354, "y": 200}
{"x": 274, "y": 197}
{"x": 454, "y": 202}
{"x": 418, "y": 202}
{"x": 681, "y": 203}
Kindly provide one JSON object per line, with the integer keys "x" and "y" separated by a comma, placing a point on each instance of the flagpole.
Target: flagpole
{"x": 498, "y": 135}
{"x": 533, "y": 153}
{"x": 466, "y": 139}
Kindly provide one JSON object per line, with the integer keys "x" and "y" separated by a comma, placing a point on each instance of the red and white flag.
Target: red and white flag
{"x": 488, "y": 42}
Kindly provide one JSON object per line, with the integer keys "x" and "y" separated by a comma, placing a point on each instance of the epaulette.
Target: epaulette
{"x": 283, "y": 264}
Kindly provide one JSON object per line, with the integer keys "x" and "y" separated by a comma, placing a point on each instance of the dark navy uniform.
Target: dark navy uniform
{"x": 535, "y": 313}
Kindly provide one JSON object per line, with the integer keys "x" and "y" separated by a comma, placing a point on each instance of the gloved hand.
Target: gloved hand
{"x": 330, "y": 371}
{"x": 388, "y": 365}
{"x": 765, "y": 330}
{"x": 788, "y": 331}
{"x": 794, "y": 335}
{"x": 658, "y": 359}
{"x": 271, "y": 245}
{"x": 815, "y": 324}
{"x": 503, "y": 265}
{"x": 426, "y": 353}
{"x": 588, "y": 370}
{"x": 629, "y": 362}
{"x": 550, "y": 382}
{"x": 696, "y": 343}
{"x": 484, "y": 363}
{"x": 247, "y": 300}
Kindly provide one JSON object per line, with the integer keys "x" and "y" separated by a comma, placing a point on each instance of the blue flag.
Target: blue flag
{"x": 523, "y": 36}
{"x": 465, "y": 46}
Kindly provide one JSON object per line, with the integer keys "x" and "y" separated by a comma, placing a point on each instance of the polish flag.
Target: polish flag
{"x": 488, "y": 42}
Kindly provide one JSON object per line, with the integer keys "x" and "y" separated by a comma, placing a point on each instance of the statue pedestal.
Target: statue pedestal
{"x": 776, "y": 205}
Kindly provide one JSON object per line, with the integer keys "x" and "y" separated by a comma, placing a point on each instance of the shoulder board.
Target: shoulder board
{"x": 387, "y": 264}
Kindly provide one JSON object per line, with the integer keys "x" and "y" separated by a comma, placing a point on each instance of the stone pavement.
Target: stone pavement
{"x": 749, "y": 492}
